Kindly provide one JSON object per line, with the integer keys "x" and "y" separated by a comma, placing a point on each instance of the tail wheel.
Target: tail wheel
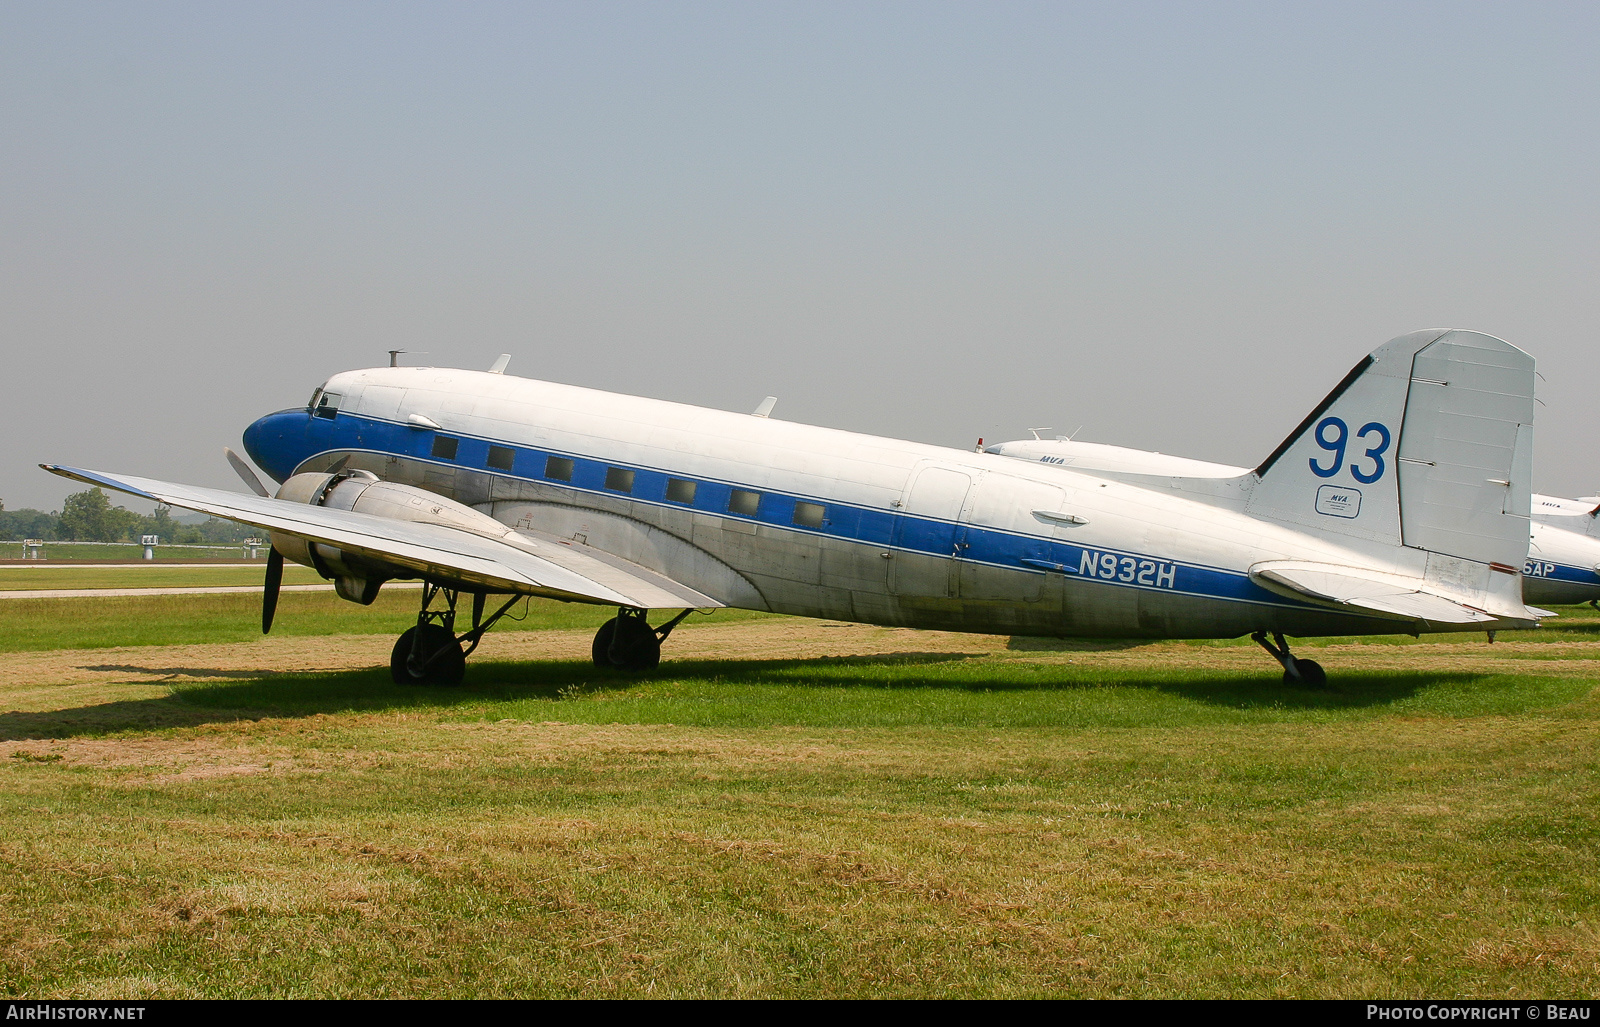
{"x": 1296, "y": 672}
{"x": 437, "y": 659}
{"x": 637, "y": 652}
{"x": 1311, "y": 674}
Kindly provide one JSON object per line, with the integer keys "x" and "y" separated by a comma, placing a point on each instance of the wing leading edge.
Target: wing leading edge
{"x": 549, "y": 567}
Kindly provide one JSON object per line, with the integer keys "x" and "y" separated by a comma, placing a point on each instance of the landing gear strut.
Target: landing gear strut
{"x": 431, "y": 653}
{"x": 628, "y": 642}
{"x": 1306, "y": 673}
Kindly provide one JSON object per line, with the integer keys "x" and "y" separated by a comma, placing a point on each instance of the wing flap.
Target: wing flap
{"x": 429, "y": 550}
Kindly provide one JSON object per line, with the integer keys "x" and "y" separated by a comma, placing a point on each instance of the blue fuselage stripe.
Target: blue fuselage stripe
{"x": 1551, "y": 571}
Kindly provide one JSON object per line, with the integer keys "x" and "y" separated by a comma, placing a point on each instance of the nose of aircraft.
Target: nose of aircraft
{"x": 276, "y": 442}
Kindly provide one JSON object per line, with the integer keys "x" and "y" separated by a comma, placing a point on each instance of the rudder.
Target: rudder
{"x": 1466, "y": 450}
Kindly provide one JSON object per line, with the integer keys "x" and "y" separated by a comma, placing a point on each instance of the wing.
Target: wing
{"x": 549, "y": 567}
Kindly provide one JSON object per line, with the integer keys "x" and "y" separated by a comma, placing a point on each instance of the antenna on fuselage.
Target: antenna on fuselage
{"x": 394, "y": 357}
{"x": 1036, "y": 432}
{"x": 500, "y": 365}
{"x": 765, "y": 409}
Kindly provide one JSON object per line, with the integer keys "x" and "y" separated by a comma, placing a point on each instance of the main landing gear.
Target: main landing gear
{"x": 628, "y": 642}
{"x": 1306, "y": 673}
{"x": 432, "y": 653}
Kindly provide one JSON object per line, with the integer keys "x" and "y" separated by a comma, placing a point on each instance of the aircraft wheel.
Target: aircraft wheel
{"x": 601, "y": 649}
{"x": 1311, "y": 674}
{"x": 446, "y": 668}
{"x": 640, "y": 654}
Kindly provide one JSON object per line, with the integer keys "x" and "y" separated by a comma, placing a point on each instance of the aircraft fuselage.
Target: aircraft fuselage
{"x": 791, "y": 518}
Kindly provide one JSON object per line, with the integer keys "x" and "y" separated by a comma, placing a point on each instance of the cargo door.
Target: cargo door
{"x": 1010, "y": 539}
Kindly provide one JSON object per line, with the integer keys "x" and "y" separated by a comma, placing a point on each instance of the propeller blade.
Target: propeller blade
{"x": 244, "y": 471}
{"x": 269, "y": 593}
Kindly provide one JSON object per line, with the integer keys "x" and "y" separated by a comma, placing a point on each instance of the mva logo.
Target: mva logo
{"x": 1338, "y": 501}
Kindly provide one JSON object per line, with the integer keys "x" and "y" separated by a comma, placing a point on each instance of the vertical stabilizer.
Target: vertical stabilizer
{"x": 1427, "y": 443}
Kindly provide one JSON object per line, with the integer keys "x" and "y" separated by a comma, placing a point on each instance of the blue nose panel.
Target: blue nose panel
{"x": 278, "y": 442}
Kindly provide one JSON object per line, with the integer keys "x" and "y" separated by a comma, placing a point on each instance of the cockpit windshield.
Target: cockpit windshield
{"x": 327, "y": 406}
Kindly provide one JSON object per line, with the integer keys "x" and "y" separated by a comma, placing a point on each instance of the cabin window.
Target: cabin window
{"x": 742, "y": 502}
{"x": 500, "y": 457}
{"x": 680, "y": 491}
{"x": 809, "y": 515}
{"x": 558, "y": 468}
{"x": 619, "y": 479}
{"x": 444, "y": 447}
{"x": 328, "y": 406}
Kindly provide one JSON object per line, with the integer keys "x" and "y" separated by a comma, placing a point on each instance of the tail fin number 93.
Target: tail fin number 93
{"x": 1333, "y": 435}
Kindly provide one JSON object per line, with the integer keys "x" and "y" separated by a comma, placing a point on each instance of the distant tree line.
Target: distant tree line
{"x": 88, "y": 516}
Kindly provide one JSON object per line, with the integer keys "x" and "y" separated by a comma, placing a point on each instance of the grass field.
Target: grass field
{"x": 790, "y": 808}
{"x": 34, "y": 625}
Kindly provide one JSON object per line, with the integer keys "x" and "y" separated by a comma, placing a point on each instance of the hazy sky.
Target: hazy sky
{"x": 1176, "y": 225}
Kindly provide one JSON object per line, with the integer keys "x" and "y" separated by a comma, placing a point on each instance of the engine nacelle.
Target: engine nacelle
{"x": 355, "y": 577}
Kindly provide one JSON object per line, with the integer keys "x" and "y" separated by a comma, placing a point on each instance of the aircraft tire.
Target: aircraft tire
{"x": 641, "y": 657}
{"x": 448, "y": 668}
{"x": 1311, "y": 674}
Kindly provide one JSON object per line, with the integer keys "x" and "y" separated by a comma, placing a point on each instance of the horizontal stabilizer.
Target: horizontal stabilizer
{"x": 1389, "y": 595}
{"x": 557, "y": 569}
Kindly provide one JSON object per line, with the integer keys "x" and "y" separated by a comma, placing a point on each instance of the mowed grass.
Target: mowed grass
{"x": 35, "y": 625}
{"x": 1103, "y": 819}
{"x": 913, "y": 690}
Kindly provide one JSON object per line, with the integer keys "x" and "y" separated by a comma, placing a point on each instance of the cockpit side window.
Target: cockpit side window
{"x": 315, "y": 395}
{"x": 328, "y": 406}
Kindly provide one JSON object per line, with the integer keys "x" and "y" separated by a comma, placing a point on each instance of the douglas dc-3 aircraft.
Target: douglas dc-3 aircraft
{"x": 1564, "y": 555}
{"x": 1400, "y": 504}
